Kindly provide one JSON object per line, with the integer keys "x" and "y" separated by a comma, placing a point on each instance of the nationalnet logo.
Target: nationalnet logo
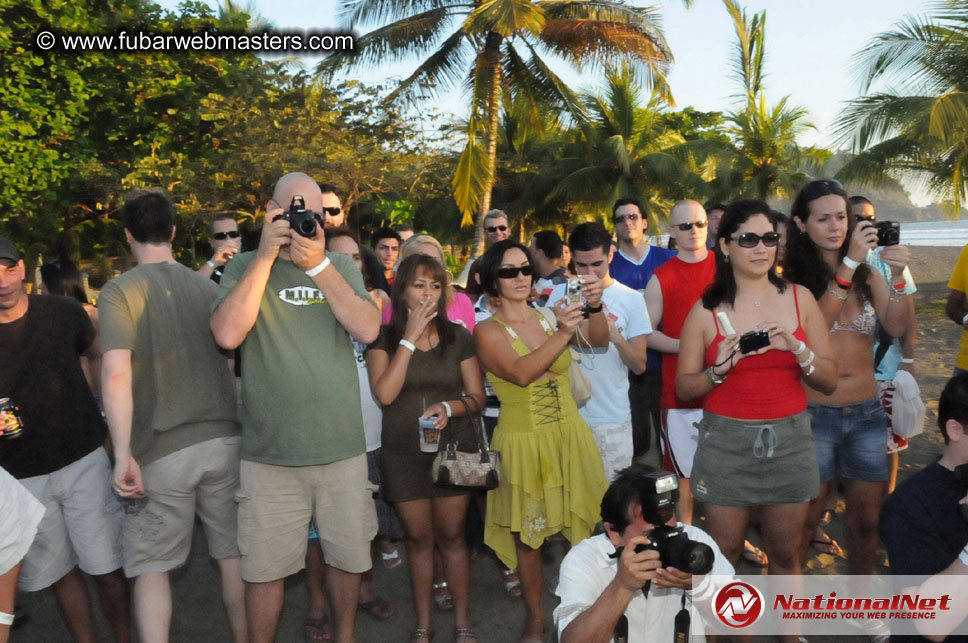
{"x": 738, "y": 604}
{"x": 830, "y": 605}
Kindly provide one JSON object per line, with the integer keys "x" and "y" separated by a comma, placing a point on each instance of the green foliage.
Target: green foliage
{"x": 919, "y": 128}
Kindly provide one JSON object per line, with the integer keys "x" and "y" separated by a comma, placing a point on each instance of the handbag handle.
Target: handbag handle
{"x": 478, "y": 425}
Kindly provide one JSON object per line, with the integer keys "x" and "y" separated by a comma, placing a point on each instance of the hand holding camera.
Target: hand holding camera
{"x": 638, "y": 564}
{"x": 863, "y": 239}
{"x": 275, "y": 233}
{"x": 568, "y": 315}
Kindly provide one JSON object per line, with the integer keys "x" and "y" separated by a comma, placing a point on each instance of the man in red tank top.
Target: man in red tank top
{"x": 673, "y": 290}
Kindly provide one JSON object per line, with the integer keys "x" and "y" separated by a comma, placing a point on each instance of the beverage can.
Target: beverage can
{"x": 10, "y": 422}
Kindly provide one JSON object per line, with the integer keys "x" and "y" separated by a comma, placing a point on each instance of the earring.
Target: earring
{"x": 726, "y": 258}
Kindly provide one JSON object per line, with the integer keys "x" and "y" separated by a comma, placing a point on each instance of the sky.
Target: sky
{"x": 809, "y": 50}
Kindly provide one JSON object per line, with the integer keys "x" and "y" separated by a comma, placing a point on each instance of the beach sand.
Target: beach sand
{"x": 198, "y": 613}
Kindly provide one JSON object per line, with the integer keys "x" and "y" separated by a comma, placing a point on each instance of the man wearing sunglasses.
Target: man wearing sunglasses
{"x": 330, "y": 207}
{"x": 226, "y": 242}
{"x": 632, "y": 265}
{"x": 496, "y": 228}
{"x": 294, "y": 309}
{"x": 673, "y": 290}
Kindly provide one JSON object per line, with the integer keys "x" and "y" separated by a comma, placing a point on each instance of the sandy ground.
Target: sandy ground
{"x": 198, "y": 613}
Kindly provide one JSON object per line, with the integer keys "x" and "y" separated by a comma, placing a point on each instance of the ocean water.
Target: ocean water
{"x": 935, "y": 233}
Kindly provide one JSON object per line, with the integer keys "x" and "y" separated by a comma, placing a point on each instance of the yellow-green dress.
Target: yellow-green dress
{"x": 552, "y": 476}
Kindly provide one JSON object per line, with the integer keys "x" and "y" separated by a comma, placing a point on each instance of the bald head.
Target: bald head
{"x": 297, "y": 183}
{"x": 685, "y": 211}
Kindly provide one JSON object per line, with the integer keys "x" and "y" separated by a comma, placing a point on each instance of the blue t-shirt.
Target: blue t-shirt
{"x": 636, "y": 276}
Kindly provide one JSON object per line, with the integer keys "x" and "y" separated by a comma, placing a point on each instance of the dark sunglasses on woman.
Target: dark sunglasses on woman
{"x": 751, "y": 239}
{"x": 510, "y": 272}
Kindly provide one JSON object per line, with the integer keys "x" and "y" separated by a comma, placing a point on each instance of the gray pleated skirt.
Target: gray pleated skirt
{"x": 755, "y": 462}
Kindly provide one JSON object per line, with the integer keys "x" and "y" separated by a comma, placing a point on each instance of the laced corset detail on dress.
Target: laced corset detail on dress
{"x": 545, "y": 402}
{"x": 865, "y": 322}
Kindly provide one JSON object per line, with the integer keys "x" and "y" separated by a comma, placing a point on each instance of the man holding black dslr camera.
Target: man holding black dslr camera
{"x": 294, "y": 309}
{"x": 635, "y": 578}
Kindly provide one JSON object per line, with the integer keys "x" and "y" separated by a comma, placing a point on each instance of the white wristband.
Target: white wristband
{"x": 907, "y": 360}
{"x": 6, "y": 619}
{"x": 447, "y": 408}
{"x": 850, "y": 263}
{"x": 410, "y": 346}
{"x": 323, "y": 265}
{"x": 802, "y": 347}
{"x": 809, "y": 360}
{"x": 210, "y": 264}
{"x": 810, "y": 372}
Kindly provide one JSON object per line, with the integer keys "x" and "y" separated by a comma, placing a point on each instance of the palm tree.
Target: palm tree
{"x": 766, "y": 162}
{"x": 496, "y": 48}
{"x": 627, "y": 149}
{"x": 919, "y": 129}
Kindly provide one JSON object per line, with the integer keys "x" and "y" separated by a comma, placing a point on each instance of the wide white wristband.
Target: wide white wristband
{"x": 907, "y": 360}
{"x": 323, "y": 265}
{"x": 850, "y": 263}
{"x": 809, "y": 360}
{"x": 447, "y": 408}
{"x": 802, "y": 347}
{"x": 409, "y": 345}
{"x": 6, "y": 619}
{"x": 210, "y": 264}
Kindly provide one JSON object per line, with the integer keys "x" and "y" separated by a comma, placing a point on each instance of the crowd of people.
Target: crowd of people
{"x": 297, "y": 397}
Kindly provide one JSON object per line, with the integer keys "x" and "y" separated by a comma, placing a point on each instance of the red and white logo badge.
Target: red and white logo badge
{"x": 738, "y": 604}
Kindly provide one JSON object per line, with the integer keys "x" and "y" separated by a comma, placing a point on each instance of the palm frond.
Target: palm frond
{"x": 590, "y": 44}
{"x": 471, "y": 175}
{"x": 441, "y": 70}
{"x": 362, "y": 13}
{"x": 506, "y": 17}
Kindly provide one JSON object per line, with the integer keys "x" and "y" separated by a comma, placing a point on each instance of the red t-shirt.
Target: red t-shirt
{"x": 682, "y": 285}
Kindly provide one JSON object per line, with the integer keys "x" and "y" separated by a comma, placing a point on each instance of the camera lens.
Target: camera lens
{"x": 307, "y": 227}
{"x": 698, "y": 558}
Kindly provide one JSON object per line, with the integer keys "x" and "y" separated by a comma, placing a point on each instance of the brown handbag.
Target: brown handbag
{"x": 479, "y": 469}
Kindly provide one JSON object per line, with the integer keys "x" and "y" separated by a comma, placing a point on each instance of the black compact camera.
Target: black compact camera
{"x": 300, "y": 219}
{"x": 888, "y": 233}
{"x": 677, "y": 550}
{"x": 753, "y": 341}
{"x": 658, "y": 496}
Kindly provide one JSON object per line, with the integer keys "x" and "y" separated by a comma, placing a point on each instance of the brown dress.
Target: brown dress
{"x": 432, "y": 376}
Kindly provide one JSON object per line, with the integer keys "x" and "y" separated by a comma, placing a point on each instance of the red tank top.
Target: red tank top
{"x": 682, "y": 285}
{"x": 760, "y": 387}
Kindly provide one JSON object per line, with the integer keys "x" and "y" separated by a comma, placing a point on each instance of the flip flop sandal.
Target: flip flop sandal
{"x": 754, "y": 555}
{"x": 379, "y": 608}
{"x": 392, "y": 559}
{"x": 511, "y": 585}
{"x": 317, "y": 629}
{"x": 442, "y": 597}
{"x": 830, "y": 545}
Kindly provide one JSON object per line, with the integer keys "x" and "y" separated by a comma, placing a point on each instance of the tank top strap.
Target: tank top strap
{"x": 507, "y": 327}
{"x": 541, "y": 318}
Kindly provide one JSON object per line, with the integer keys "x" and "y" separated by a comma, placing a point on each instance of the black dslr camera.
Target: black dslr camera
{"x": 888, "y": 233}
{"x": 658, "y": 496}
{"x": 300, "y": 219}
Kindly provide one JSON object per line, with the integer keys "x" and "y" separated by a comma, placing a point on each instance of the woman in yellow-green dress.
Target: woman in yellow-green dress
{"x": 552, "y": 477}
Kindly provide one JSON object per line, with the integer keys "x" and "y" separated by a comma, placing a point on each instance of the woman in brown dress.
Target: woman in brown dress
{"x": 423, "y": 366}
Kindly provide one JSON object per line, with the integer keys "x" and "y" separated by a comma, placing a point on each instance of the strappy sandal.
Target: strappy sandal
{"x": 422, "y": 633}
{"x": 442, "y": 597}
{"x": 511, "y": 585}
{"x": 464, "y": 633}
{"x": 391, "y": 559}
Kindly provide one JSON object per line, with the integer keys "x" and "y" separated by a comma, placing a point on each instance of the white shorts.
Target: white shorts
{"x": 20, "y": 513}
{"x": 614, "y": 442}
{"x": 82, "y": 524}
{"x": 680, "y": 437}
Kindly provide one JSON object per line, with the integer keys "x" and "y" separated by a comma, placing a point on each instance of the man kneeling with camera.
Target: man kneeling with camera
{"x": 636, "y": 579}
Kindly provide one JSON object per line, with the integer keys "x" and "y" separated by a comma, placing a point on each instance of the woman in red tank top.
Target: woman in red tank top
{"x": 755, "y": 446}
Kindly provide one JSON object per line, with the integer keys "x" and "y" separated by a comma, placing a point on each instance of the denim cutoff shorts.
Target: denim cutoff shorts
{"x": 850, "y": 440}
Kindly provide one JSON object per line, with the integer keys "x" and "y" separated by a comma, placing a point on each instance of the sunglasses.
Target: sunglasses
{"x": 625, "y": 217}
{"x": 510, "y": 272}
{"x": 688, "y": 226}
{"x": 332, "y": 211}
{"x": 751, "y": 239}
{"x": 222, "y": 236}
{"x": 494, "y": 228}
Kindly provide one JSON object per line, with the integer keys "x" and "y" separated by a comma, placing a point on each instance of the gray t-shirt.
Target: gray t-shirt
{"x": 300, "y": 387}
{"x": 182, "y": 387}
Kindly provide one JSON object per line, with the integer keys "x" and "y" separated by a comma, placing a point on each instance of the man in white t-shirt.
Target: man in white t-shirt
{"x": 605, "y": 580}
{"x": 608, "y": 411}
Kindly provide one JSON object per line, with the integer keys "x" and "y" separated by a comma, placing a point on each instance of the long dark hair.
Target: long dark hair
{"x": 723, "y": 287}
{"x": 803, "y": 263}
{"x": 406, "y": 273}
{"x": 61, "y": 277}
{"x": 490, "y": 263}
